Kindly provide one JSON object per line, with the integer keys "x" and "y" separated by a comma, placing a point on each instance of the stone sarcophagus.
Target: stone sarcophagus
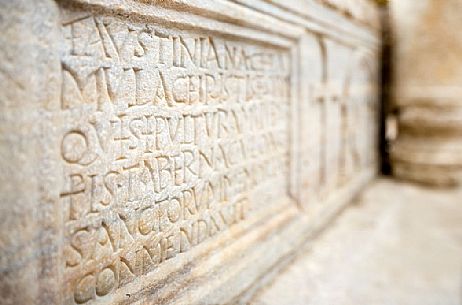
{"x": 176, "y": 152}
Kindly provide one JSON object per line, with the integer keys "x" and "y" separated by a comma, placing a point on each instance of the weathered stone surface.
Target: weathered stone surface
{"x": 174, "y": 151}
{"x": 428, "y": 91}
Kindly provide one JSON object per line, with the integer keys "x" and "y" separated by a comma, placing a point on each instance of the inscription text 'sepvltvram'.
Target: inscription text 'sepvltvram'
{"x": 168, "y": 136}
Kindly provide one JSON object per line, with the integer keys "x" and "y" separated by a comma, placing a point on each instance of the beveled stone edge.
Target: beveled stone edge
{"x": 275, "y": 19}
{"x": 294, "y": 236}
{"x": 428, "y": 175}
{"x": 427, "y": 152}
{"x": 184, "y": 14}
{"x": 200, "y": 259}
{"x": 320, "y": 19}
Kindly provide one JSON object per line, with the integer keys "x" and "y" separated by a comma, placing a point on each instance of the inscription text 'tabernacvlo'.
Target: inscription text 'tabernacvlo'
{"x": 168, "y": 136}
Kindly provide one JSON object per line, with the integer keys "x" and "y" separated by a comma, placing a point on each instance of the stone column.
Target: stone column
{"x": 428, "y": 91}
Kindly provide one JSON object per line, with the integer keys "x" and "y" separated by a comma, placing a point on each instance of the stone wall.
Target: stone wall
{"x": 175, "y": 152}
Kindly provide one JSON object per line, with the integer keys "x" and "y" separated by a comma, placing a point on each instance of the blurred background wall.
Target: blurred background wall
{"x": 426, "y": 84}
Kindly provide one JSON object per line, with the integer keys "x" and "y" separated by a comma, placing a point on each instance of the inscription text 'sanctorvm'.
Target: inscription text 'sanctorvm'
{"x": 168, "y": 136}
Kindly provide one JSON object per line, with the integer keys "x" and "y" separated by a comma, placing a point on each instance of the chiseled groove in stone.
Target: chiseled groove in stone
{"x": 428, "y": 151}
{"x": 433, "y": 160}
{"x": 320, "y": 216}
{"x": 433, "y": 96}
{"x": 350, "y": 36}
{"x": 430, "y": 121}
{"x": 329, "y": 22}
{"x": 440, "y": 176}
{"x": 352, "y": 10}
{"x": 304, "y": 230}
{"x": 168, "y": 17}
{"x": 431, "y": 129}
{"x": 204, "y": 256}
{"x": 251, "y": 244}
{"x": 229, "y": 12}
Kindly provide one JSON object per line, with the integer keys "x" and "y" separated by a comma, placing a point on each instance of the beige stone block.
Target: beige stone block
{"x": 174, "y": 152}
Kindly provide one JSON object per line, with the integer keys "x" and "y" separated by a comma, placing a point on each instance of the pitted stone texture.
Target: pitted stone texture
{"x": 166, "y": 152}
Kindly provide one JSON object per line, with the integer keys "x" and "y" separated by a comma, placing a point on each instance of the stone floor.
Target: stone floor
{"x": 399, "y": 244}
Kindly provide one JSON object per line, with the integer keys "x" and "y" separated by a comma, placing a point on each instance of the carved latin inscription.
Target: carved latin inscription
{"x": 168, "y": 137}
